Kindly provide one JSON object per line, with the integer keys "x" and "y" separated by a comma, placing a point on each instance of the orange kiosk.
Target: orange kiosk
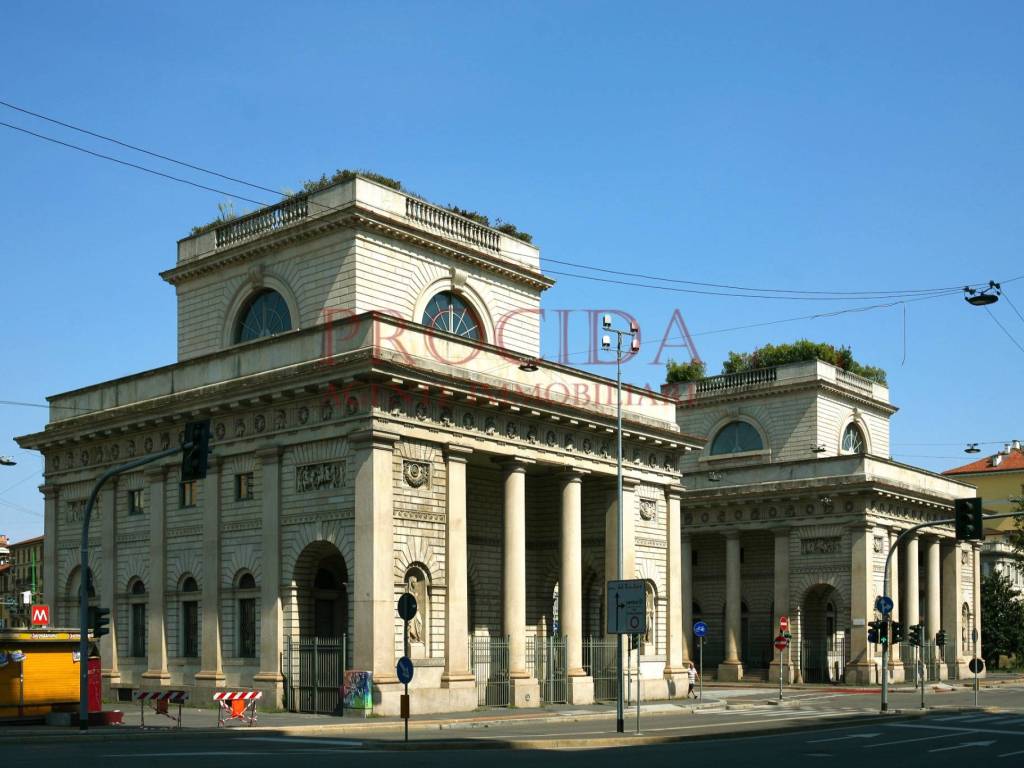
{"x": 39, "y": 672}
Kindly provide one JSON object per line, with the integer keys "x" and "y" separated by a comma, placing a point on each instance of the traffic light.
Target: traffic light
{"x": 940, "y": 637}
{"x": 195, "y": 450}
{"x": 878, "y": 632}
{"x": 101, "y": 622}
{"x": 969, "y": 521}
{"x": 899, "y": 632}
{"x": 916, "y": 631}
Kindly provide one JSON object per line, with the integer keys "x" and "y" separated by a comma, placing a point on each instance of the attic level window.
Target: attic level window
{"x": 736, "y": 437}
{"x": 450, "y": 313}
{"x": 853, "y": 439}
{"x": 266, "y": 314}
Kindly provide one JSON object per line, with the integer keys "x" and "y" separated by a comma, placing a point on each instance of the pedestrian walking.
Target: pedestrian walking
{"x": 691, "y": 673}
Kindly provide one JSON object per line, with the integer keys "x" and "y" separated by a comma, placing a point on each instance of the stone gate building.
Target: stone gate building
{"x": 380, "y": 425}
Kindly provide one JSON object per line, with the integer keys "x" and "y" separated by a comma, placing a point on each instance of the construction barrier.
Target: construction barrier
{"x": 160, "y": 701}
{"x": 236, "y": 705}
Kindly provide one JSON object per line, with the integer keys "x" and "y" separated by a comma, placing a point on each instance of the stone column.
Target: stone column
{"x": 108, "y": 581}
{"x": 862, "y": 668}
{"x": 896, "y": 671}
{"x": 50, "y": 501}
{"x": 912, "y": 587}
{"x": 952, "y": 601}
{"x": 458, "y": 676}
{"x": 525, "y": 689}
{"x": 976, "y": 606}
{"x": 570, "y": 587}
{"x": 611, "y": 534}
{"x": 781, "y": 597}
{"x": 686, "y": 561}
{"x": 676, "y": 654}
{"x": 732, "y": 668}
{"x": 374, "y": 610}
{"x": 269, "y": 679}
{"x": 933, "y": 584}
{"x": 156, "y": 656}
{"x": 211, "y": 674}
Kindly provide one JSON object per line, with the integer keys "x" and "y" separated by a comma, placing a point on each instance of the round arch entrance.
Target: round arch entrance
{"x": 321, "y": 589}
{"x": 823, "y": 635}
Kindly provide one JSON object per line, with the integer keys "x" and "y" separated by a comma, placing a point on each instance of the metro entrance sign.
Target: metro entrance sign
{"x": 627, "y": 607}
{"x": 40, "y": 615}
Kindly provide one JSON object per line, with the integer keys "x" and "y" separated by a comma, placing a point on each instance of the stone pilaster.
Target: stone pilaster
{"x": 458, "y": 676}
{"x": 933, "y": 585}
{"x": 50, "y": 501}
{"x": 570, "y": 587}
{"x": 952, "y": 602}
{"x": 862, "y": 668}
{"x": 686, "y": 562}
{"x": 731, "y": 669}
{"x": 108, "y": 581}
{"x": 156, "y": 656}
{"x": 269, "y": 679}
{"x": 912, "y": 586}
{"x": 211, "y": 674}
{"x": 976, "y": 607}
{"x": 373, "y": 594}
{"x": 896, "y": 671}
{"x": 782, "y": 605}
{"x": 525, "y": 689}
{"x": 676, "y": 630}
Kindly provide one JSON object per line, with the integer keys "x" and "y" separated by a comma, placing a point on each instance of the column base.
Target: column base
{"x": 581, "y": 690}
{"x": 787, "y": 679}
{"x": 157, "y": 676}
{"x": 458, "y": 680}
{"x": 206, "y": 683}
{"x": 525, "y": 692}
{"x": 272, "y": 685}
{"x": 862, "y": 673}
{"x": 730, "y": 671}
{"x": 897, "y": 672}
{"x": 677, "y": 682}
{"x": 387, "y": 698}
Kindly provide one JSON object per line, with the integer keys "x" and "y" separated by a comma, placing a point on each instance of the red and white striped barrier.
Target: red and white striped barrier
{"x": 172, "y": 697}
{"x": 237, "y": 695}
{"x": 237, "y": 705}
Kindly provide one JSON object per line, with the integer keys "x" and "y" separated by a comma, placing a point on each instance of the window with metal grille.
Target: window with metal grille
{"x": 190, "y": 620}
{"x": 137, "y": 622}
{"x": 247, "y": 628}
{"x": 243, "y": 486}
{"x": 135, "y": 502}
{"x": 188, "y": 495}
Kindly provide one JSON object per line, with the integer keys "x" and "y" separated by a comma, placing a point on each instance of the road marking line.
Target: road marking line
{"x": 955, "y": 729}
{"x": 1011, "y": 754}
{"x": 908, "y": 741}
{"x": 965, "y": 744}
{"x": 305, "y": 740}
{"x": 851, "y": 736}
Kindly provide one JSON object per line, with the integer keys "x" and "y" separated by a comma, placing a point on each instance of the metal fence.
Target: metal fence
{"x": 314, "y": 672}
{"x": 599, "y": 661}
{"x": 489, "y": 659}
{"x": 824, "y": 661}
{"x": 546, "y": 660}
{"x": 935, "y": 660}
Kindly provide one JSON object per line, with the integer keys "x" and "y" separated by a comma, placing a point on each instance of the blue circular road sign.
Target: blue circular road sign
{"x": 883, "y": 604}
{"x": 404, "y": 670}
{"x": 700, "y": 629}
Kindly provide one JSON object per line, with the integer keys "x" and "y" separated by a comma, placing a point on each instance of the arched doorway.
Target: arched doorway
{"x": 823, "y": 635}
{"x": 321, "y": 590}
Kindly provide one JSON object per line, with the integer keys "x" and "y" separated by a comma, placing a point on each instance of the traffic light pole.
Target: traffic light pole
{"x": 888, "y": 587}
{"x": 83, "y": 589}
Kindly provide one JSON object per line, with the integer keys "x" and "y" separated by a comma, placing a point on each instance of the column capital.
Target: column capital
{"x": 49, "y": 491}
{"x": 456, "y": 453}
{"x": 629, "y": 483}
{"x": 572, "y": 474}
{"x": 782, "y": 531}
{"x": 270, "y": 454}
{"x": 369, "y": 438}
{"x": 513, "y": 463}
{"x": 674, "y": 491}
{"x": 157, "y": 474}
{"x": 731, "y": 533}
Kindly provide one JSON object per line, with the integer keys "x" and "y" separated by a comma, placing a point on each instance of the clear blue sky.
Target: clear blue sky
{"x": 811, "y": 146}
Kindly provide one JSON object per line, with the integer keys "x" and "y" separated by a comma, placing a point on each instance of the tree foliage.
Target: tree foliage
{"x": 1016, "y": 536}
{"x": 1003, "y": 615}
{"x": 803, "y": 349}
{"x": 692, "y": 371}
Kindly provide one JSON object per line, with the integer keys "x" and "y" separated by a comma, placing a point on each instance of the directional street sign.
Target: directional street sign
{"x": 404, "y": 669}
{"x": 627, "y": 607}
{"x": 700, "y": 629}
{"x": 976, "y": 666}
{"x": 884, "y": 604}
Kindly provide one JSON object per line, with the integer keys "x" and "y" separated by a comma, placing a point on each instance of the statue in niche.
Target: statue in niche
{"x": 416, "y": 585}
{"x": 649, "y": 634}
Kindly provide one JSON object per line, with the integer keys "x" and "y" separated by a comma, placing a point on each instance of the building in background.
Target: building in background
{"x": 999, "y": 480}
{"x": 21, "y": 570}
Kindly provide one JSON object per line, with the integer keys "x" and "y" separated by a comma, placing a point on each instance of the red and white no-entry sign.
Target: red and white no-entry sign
{"x": 781, "y": 643}
{"x": 40, "y": 615}
{"x": 783, "y": 624}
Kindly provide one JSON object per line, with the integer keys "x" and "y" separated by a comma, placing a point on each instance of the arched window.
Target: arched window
{"x": 190, "y": 618}
{"x": 449, "y": 312}
{"x": 137, "y": 630}
{"x": 853, "y": 440}
{"x": 736, "y": 437}
{"x": 265, "y": 314}
{"x": 246, "y": 593}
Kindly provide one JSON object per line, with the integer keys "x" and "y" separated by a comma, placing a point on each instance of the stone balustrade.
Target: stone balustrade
{"x": 451, "y": 225}
{"x": 261, "y": 221}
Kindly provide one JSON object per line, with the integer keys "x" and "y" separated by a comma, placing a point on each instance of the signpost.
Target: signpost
{"x": 627, "y": 615}
{"x": 781, "y": 644}
{"x": 404, "y": 668}
{"x": 700, "y": 629}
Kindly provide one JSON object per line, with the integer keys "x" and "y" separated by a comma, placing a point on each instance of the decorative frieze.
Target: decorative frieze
{"x": 823, "y": 545}
{"x": 318, "y": 477}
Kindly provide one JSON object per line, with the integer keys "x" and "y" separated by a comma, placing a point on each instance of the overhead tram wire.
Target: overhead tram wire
{"x": 880, "y": 294}
{"x": 1004, "y": 330}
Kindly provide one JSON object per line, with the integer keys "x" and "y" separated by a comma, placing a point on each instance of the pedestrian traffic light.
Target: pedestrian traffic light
{"x": 878, "y": 632}
{"x": 916, "y": 631}
{"x": 195, "y": 450}
{"x": 101, "y": 622}
{"x": 970, "y": 524}
{"x": 899, "y": 632}
{"x": 940, "y": 637}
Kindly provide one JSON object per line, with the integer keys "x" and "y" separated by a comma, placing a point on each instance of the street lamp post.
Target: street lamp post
{"x": 634, "y": 346}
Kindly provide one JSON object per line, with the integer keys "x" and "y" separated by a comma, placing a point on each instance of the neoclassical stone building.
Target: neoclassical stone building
{"x": 790, "y": 509}
{"x": 363, "y": 357}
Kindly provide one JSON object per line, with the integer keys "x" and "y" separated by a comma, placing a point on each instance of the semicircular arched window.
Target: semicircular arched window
{"x": 449, "y": 312}
{"x": 265, "y": 314}
{"x": 736, "y": 437}
{"x": 853, "y": 440}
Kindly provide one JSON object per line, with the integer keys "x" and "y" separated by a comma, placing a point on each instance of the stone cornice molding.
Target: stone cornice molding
{"x": 157, "y": 474}
{"x": 457, "y": 453}
{"x": 513, "y": 463}
{"x": 370, "y": 438}
{"x": 269, "y": 454}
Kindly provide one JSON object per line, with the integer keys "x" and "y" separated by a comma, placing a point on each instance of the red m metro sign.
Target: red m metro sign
{"x": 40, "y": 615}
